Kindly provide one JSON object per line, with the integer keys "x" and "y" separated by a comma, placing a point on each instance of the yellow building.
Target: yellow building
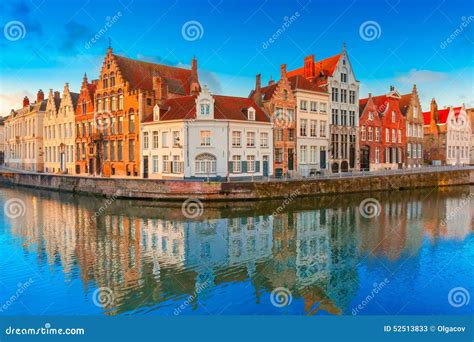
{"x": 24, "y": 136}
{"x": 60, "y": 132}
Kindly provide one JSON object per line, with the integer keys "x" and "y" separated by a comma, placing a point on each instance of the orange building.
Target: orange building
{"x": 126, "y": 93}
{"x": 87, "y": 143}
{"x": 279, "y": 102}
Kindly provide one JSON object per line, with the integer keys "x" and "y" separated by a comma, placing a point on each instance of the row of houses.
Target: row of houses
{"x": 141, "y": 119}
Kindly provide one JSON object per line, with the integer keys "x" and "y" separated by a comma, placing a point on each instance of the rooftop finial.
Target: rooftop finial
{"x": 110, "y": 43}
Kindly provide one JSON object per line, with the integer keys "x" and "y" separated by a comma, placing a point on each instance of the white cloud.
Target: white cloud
{"x": 421, "y": 76}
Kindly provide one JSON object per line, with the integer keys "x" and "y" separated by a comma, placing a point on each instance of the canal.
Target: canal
{"x": 398, "y": 253}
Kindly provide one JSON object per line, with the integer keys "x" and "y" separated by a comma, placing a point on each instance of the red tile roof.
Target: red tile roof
{"x": 326, "y": 66}
{"x": 442, "y": 115}
{"x": 267, "y": 92}
{"x": 139, "y": 74}
{"x": 405, "y": 103}
{"x": 426, "y": 118}
{"x": 225, "y": 108}
{"x": 299, "y": 82}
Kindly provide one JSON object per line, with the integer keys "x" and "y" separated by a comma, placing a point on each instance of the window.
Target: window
{"x": 312, "y": 127}
{"x": 205, "y": 163}
{"x": 420, "y": 150}
{"x": 145, "y": 140}
{"x": 344, "y": 95}
{"x": 323, "y": 107}
{"x": 279, "y": 114}
{"x": 304, "y": 105}
{"x": 322, "y": 128}
{"x": 105, "y": 82}
{"x": 335, "y": 94}
{"x": 112, "y": 79}
{"x": 371, "y": 116}
{"x": 106, "y": 150}
{"x": 148, "y": 101}
{"x": 352, "y": 118}
{"x": 377, "y": 134}
{"x": 279, "y": 155}
{"x": 363, "y": 134}
{"x": 351, "y": 96}
{"x": 250, "y": 139}
{"x": 409, "y": 130}
{"x": 83, "y": 152}
{"x": 205, "y": 138}
{"x": 251, "y": 114}
{"x": 263, "y": 139}
{"x": 236, "y": 139}
{"x": 335, "y": 117}
{"x": 112, "y": 126}
{"x": 415, "y": 112}
{"x": 393, "y": 116}
{"x": 290, "y": 113}
{"x": 291, "y": 134}
{"x": 84, "y": 108}
{"x": 314, "y": 106}
{"x": 78, "y": 152}
{"x": 303, "y": 124}
{"x": 343, "y": 77}
{"x": 177, "y": 165}
{"x": 112, "y": 150}
{"x": 155, "y": 138}
{"x": 279, "y": 134}
{"x": 303, "y": 156}
{"x": 371, "y": 133}
{"x": 408, "y": 150}
{"x": 387, "y": 135}
{"x": 176, "y": 139}
{"x": 155, "y": 162}
{"x": 399, "y": 136}
{"x": 250, "y": 164}
{"x": 120, "y": 102}
{"x": 120, "y": 125}
{"x": 313, "y": 154}
{"x": 131, "y": 123}
{"x": 394, "y": 136}
{"x": 119, "y": 150}
{"x": 166, "y": 164}
{"x": 205, "y": 109}
{"x": 343, "y": 117}
{"x": 377, "y": 155}
{"x": 236, "y": 164}
{"x": 164, "y": 139}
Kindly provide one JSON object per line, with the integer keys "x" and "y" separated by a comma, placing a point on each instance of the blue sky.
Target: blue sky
{"x": 410, "y": 44}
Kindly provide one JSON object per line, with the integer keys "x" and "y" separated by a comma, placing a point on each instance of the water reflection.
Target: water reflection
{"x": 153, "y": 258}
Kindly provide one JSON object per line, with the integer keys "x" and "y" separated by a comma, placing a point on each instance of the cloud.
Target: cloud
{"x": 421, "y": 76}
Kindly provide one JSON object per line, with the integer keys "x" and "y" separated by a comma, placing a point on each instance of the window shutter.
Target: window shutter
{"x": 257, "y": 166}
{"x": 244, "y": 166}
{"x": 231, "y": 167}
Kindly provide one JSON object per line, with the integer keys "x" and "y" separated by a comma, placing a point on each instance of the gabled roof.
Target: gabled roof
{"x": 442, "y": 115}
{"x": 267, "y": 92}
{"x": 225, "y": 108}
{"x": 326, "y": 67}
{"x": 74, "y": 98}
{"x": 139, "y": 74}
{"x": 405, "y": 103}
{"x": 299, "y": 82}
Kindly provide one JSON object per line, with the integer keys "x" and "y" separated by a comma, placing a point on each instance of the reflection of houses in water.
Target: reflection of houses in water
{"x": 458, "y": 221}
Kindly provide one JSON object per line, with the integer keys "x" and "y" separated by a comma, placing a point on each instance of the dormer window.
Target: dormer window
{"x": 156, "y": 113}
{"x": 251, "y": 114}
{"x": 371, "y": 116}
{"x": 205, "y": 109}
{"x": 205, "y": 104}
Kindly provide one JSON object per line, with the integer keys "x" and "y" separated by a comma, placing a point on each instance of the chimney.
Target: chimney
{"x": 433, "y": 110}
{"x": 195, "y": 87}
{"x": 194, "y": 66}
{"x": 258, "y": 83}
{"x": 392, "y": 88}
{"x": 257, "y": 95}
{"x": 40, "y": 96}
{"x": 370, "y": 95}
{"x": 271, "y": 81}
{"x": 282, "y": 71}
{"x": 157, "y": 87}
{"x": 309, "y": 66}
{"x": 26, "y": 102}
{"x": 414, "y": 88}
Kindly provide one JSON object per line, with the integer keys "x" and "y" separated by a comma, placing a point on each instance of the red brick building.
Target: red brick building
{"x": 382, "y": 132}
{"x": 279, "y": 102}
{"x": 126, "y": 93}
{"x": 87, "y": 142}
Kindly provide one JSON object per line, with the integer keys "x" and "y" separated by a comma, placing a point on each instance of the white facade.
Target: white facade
{"x": 458, "y": 138}
{"x": 205, "y": 146}
{"x": 343, "y": 89}
{"x": 312, "y": 131}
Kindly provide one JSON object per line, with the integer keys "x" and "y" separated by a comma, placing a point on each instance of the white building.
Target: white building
{"x": 312, "y": 126}
{"x": 206, "y": 136}
{"x": 458, "y": 137}
{"x": 336, "y": 74}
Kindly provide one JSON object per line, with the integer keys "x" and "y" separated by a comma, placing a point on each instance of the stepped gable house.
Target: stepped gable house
{"x": 88, "y": 142}
{"x": 126, "y": 91}
{"x": 279, "y": 101}
{"x": 336, "y": 74}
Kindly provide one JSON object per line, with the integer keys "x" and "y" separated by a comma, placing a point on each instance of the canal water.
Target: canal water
{"x": 398, "y": 253}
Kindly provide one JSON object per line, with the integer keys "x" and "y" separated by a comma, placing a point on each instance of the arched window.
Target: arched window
{"x": 113, "y": 102}
{"x": 112, "y": 79}
{"x": 105, "y": 82}
{"x": 205, "y": 163}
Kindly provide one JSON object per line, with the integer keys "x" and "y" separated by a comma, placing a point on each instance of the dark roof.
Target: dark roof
{"x": 74, "y": 99}
{"x": 225, "y": 108}
{"x": 299, "y": 82}
{"x": 405, "y": 103}
{"x": 140, "y": 74}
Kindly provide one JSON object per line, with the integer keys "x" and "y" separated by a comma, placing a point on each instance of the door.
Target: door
{"x": 265, "y": 166}
{"x": 145, "y": 167}
{"x": 322, "y": 158}
{"x": 365, "y": 158}
{"x": 290, "y": 159}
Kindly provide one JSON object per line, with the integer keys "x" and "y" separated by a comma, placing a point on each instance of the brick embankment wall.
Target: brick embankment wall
{"x": 181, "y": 190}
